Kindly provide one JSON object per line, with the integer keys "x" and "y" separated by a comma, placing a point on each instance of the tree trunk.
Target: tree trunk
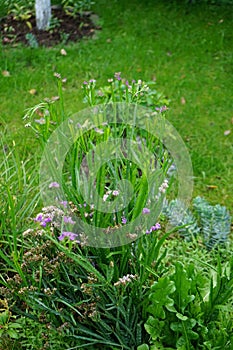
{"x": 43, "y": 14}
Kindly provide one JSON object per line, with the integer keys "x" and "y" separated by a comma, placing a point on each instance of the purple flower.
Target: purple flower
{"x": 43, "y": 221}
{"x": 117, "y": 75}
{"x": 46, "y": 220}
{"x": 64, "y": 203}
{"x": 54, "y": 184}
{"x": 72, "y": 236}
{"x": 68, "y": 220}
{"x": 133, "y": 81}
{"x": 39, "y": 218}
{"x": 155, "y": 227}
{"x": 85, "y": 83}
{"x": 115, "y": 193}
{"x": 123, "y": 220}
{"x": 92, "y": 81}
{"x": 161, "y": 109}
{"x": 145, "y": 211}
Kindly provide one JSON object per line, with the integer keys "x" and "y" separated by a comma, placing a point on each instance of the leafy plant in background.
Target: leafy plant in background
{"x": 9, "y": 326}
{"x": 4, "y": 5}
{"x": 46, "y": 116}
{"x": 177, "y": 215}
{"x": 73, "y": 7}
{"x": 215, "y": 222}
{"x": 211, "y": 223}
{"x": 212, "y": 2}
{"x": 22, "y": 11}
{"x": 32, "y": 42}
{"x": 120, "y": 89}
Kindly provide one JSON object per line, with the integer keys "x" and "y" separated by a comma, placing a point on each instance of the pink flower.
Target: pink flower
{"x": 155, "y": 227}
{"x": 68, "y": 220}
{"x": 54, "y": 184}
{"x": 123, "y": 220}
{"x": 72, "y": 236}
{"x": 145, "y": 211}
{"x": 64, "y": 203}
{"x": 117, "y": 75}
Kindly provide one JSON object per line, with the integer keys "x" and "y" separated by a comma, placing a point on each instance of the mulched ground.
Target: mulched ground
{"x": 69, "y": 29}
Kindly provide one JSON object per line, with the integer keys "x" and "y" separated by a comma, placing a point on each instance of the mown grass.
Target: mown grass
{"x": 186, "y": 48}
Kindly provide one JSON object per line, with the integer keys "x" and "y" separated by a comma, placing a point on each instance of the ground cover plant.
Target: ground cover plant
{"x": 171, "y": 288}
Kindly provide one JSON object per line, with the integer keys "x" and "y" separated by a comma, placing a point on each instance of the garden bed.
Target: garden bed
{"x": 63, "y": 28}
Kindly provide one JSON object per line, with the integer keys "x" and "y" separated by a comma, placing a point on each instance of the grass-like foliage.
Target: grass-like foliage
{"x": 161, "y": 291}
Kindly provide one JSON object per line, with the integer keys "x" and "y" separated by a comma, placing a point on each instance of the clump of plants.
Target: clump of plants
{"x": 69, "y": 292}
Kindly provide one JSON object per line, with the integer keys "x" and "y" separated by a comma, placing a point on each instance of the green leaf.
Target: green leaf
{"x": 154, "y": 327}
{"x": 181, "y": 317}
{"x": 4, "y": 317}
{"x": 160, "y": 297}
{"x": 185, "y": 332}
{"x": 143, "y": 347}
{"x": 12, "y": 333}
{"x": 183, "y": 286}
{"x": 15, "y": 325}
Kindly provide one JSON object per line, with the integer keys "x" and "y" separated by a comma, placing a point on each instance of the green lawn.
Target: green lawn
{"x": 186, "y": 48}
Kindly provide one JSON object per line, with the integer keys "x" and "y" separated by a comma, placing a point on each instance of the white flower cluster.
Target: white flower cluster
{"x": 164, "y": 186}
{"x": 115, "y": 193}
{"x": 123, "y": 280}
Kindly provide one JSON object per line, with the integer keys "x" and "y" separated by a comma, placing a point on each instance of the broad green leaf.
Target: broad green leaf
{"x": 15, "y": 325}
{"x": 13, "y": 334}
{"x": 185, "y": 332}
{"x": 183, "y": 286}
{"x": 143, "y": 347}
{"x": 160, "y": 297}
{"x": 154, "y": 327}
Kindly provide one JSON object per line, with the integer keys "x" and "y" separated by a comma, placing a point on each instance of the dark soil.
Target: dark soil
{"x": 64, "y": 28}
